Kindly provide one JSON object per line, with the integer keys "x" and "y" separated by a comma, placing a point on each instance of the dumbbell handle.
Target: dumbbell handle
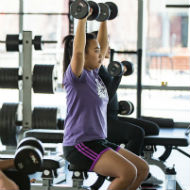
{"x": 49, "y": 42}
{"x": 43, "y": 41}
{"x": 18, "y": 123}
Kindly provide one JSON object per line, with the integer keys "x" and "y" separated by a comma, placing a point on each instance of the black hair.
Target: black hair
{"x": 68, "y": 48}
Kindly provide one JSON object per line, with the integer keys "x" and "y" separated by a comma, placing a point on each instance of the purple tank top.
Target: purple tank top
{"x": 87, "y": 100}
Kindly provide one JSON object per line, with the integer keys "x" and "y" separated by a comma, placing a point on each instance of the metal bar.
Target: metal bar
{"x": 183, "y": 152}
{"x": 21, "y": 22}
{"x": 31, "y": 13}
{"x": 49, "y": 42}
{"x": 177, "y": 6}
{"x": 139, "y": 82}
{"x": 169, "y": 88}
{"x": 140, "y": 34}
{"x": 148, "y": 87}
{"x": 124, "y": 52}
{"x": 144, "y": 87}
{"x": 112, "y": 51}
{"x": 27, "y": 79}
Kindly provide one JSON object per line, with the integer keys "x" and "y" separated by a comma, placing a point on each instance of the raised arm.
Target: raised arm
{"x": 77, "y": 60}
{"x": 103, "y": 39}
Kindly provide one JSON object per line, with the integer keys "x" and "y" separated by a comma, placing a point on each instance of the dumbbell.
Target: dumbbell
{"x": 125, "y": 108}
{"x": 13, "y": 41}
{"x": 44, "y": 78}
{"x": 100, "y": 12}
{"x": 108, "y": 11}
{"x": 29, "y": 155}
{"x": 116, "y": 68}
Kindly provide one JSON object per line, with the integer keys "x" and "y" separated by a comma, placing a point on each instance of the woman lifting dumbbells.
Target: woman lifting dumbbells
{"x": 85, "y": 131}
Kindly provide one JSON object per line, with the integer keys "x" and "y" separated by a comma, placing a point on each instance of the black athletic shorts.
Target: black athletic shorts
{"x": 86, "y": 154}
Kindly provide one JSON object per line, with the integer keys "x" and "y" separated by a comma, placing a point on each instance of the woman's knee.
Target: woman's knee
{"x": 144, "y": 170}
{"x": 129, "y": 174}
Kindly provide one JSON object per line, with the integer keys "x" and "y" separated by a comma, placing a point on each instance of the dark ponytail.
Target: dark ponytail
{"x": 68, "y": 48}
{"x": 68, "y": 51}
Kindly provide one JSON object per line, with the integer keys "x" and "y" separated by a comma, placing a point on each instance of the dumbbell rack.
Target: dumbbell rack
{"x": 25, "y": 93}
{"x": 42, "y": 80}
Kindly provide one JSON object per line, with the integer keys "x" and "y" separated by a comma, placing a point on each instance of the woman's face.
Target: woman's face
{"x": 92, "y": 56}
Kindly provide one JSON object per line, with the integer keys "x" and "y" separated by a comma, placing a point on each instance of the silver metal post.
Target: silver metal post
{"x": 27, "y": 79}
{"x": 21, "y": 9}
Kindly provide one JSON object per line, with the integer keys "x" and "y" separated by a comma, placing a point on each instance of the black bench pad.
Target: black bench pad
{"x": 45, "y": 135}
{"x": 168, "y": 136}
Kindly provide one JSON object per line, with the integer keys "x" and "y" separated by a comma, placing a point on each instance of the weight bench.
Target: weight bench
{"x": 50, "y": 166}
{"x": 170, "y": 138}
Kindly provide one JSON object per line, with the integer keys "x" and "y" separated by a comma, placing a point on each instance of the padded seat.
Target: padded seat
{"x": 46, "y": 135}
{"x": 169, "y": 136}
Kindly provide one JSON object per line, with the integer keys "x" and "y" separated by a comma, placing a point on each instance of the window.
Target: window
{"x": 167, "y": 62}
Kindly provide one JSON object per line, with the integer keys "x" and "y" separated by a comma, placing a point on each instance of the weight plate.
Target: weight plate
{"x": 113, "y": 10}
{"x": 9, "y": 78}
{"x": 37, "y": 42}
{"x": 44, "y": 79}
{"x": 8, "y": 119}
{"x": 31, "y": 141}
{"x": 126, "y": 107}
{"x": 132, "y": 107}
{"x": 12, "y": 42}
{"x": 44, "y": 118}
{"x": 115, "y": 68}
{"x": 95, "y": 12}
{"x": 28, "y": 159}
{"x": 79, "y": 9}
{"x": 130, "y": 68}
{"x": 104, "y": 12}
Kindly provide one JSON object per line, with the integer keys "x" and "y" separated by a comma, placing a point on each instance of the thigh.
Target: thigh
{"x": 86, "y": 154}
{"x": 139, "y": 163}
{"x": 121, "y": 130}
{"x": 113, "y": 164}
{"x": 149, "y": 127}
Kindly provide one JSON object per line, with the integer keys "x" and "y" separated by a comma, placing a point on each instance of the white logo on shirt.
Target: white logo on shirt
{"x": 101, "y": 89}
